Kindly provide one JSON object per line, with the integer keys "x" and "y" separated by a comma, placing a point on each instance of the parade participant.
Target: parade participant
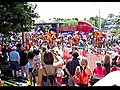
{"x": 77, "y": 40}
{"x": 14, "y": 61}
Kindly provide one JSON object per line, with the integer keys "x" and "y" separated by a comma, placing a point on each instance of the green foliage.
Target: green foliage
{"x": 16, "y": 16}
{"x": 115, "y": 32}
{"x": 94, "y": 21}
{"x": 69, "y": 22}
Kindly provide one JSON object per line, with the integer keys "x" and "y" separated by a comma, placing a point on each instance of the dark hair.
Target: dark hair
{"x": 48, "y": 58}
{"x": 115, "y": 58}
{"x": 18, "y": 45}
{"x": 36, "y": 51}
{"x": 75, "y": 54}
{"x": 30, "y": 55}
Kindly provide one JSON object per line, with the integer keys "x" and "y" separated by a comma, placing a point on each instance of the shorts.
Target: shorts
{"x": 15, "y": 65}
{"x": 30, "y": 69}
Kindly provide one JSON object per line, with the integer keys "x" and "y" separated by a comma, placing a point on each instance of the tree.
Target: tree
{"x": 110, "y": 15}
{"x": 16, "y": 16}
{"x": 76, "y": 19}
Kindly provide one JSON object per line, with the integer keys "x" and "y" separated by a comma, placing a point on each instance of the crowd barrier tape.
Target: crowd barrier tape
{"x": 92, "y": 57}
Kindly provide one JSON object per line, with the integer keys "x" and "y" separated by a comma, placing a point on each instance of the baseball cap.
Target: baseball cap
{"x": 98, "y": 63}
{"x": 14, "y": 48}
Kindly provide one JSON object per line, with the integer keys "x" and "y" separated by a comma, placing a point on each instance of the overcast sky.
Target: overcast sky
{"x": 80, "y": 10}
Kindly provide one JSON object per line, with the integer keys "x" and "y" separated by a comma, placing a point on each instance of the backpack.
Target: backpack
{"x": 76, "y": 77}
{"x": 51, "y": 79}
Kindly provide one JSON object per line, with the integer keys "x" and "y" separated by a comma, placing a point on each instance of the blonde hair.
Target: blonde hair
{"x": 84, "y": 61}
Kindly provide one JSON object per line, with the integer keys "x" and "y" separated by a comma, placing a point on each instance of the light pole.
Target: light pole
{"x": 99, "y": 18}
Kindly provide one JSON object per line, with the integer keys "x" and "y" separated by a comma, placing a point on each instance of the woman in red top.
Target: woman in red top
{"x": 98, "y": 73}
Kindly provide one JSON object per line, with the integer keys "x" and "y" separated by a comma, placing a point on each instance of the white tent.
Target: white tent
{"x": 111, "y": 79}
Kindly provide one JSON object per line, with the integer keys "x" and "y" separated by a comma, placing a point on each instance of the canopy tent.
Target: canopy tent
{"x": 111, "y": 79}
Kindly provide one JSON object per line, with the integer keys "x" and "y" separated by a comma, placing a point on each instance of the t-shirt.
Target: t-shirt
{"x": 99, "y": 72}
{"x": 71, "y": 65}
{"x": 30, "y": 64}
{"x": 23, "y": 58}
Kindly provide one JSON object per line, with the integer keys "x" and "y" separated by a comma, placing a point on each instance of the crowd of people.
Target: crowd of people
{"x": 44, "y": 60}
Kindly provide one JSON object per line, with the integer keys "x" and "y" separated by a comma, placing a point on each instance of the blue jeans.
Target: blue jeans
{"x": 25, "y": 70}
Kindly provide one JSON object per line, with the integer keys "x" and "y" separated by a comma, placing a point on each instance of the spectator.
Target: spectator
{"x": 106, "y": 63}
{"x": 37, "y": 63}
{"x": 14, "y": 61}
{"x": 114, "y": 60}
{"x": 58, "y": 62}
{"x": 98, "y": 72}
{"x": 44, "y": 48}
{"x": 72, "y": 64}
{"x": 118, "y": 61}
{"x": 30, "y": 65}
{"x": 85, "y": 72}
{"x": 48, "y": 67}
{"x": 24, "y": 63}
{"x": 4, "y": 52}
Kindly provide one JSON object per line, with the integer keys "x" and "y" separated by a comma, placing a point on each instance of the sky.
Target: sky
{"x": 81, "y": 10}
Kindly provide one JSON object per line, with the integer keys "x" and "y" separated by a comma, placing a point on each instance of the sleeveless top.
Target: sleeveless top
{"x": 50, "y": 76}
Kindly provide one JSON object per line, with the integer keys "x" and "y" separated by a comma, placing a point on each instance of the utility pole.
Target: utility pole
{"x": 99, "y": 20}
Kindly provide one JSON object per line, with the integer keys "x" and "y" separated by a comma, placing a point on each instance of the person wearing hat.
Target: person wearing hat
{"x": 98, "y": 72}
{"x": 14, "y": 61}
